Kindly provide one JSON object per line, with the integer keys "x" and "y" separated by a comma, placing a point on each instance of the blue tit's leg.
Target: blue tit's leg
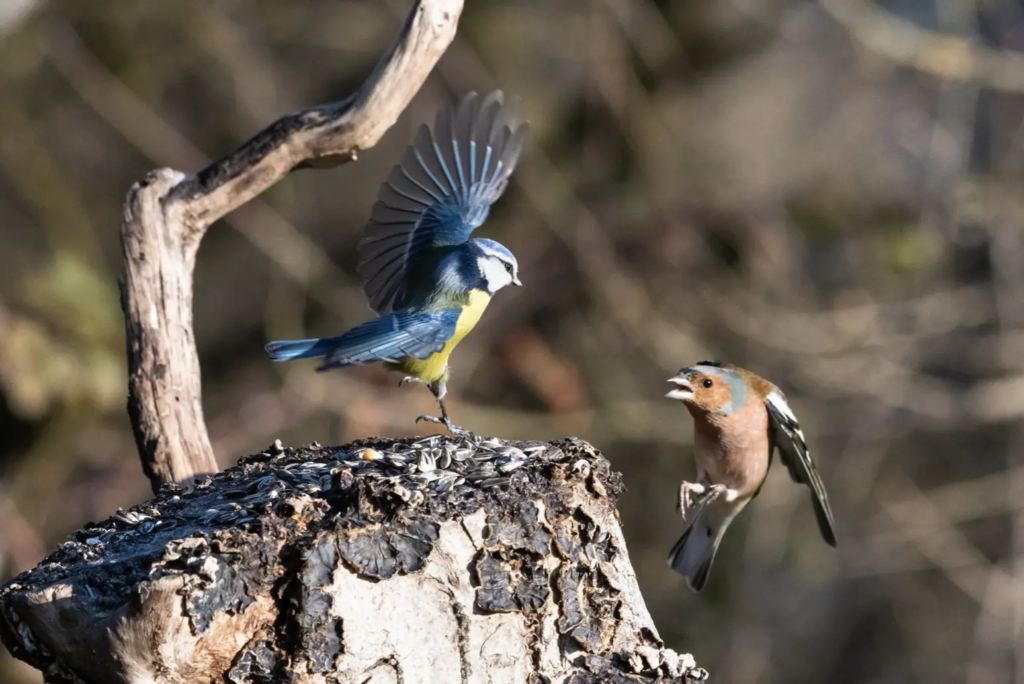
{"x": 408, "y": 379}
{"x": 439, "y": 389}
{"x": 446, "y": 421}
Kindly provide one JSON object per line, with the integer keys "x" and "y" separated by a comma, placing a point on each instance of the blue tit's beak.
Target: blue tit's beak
{"x": 684, "y": 389}
{"x": 516, "y": 282}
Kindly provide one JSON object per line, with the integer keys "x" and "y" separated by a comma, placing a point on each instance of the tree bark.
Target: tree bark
{"x": 167, "y": 214}
{"x": 412, "y": 561}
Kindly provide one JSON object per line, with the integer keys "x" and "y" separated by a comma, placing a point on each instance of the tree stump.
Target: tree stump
{"x": 385, "y": 561}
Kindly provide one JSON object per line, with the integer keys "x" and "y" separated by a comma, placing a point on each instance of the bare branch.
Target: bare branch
{"x": 331, "y": 134}
{"x": 167, "y": 214}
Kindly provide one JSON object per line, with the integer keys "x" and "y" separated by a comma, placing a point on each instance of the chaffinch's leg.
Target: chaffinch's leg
{"x": 687, "y": 492}
{"x": 446, "y": 421}
{"x": 695, "y": 497}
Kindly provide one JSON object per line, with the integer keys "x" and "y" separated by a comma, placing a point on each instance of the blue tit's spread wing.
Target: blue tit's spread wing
{"x": 392, "y": 338}
{"x": 789, "y": 438}
{"x": 440, "y": 192}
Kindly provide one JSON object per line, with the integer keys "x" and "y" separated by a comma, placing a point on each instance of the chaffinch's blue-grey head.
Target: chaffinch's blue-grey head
{"x": 711, "y": 387}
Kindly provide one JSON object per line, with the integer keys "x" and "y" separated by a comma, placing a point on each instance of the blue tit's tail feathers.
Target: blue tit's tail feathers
{"x": 289, "y": 350}
{"x": 695, "y": 551}
{"x": 440, "y": 192}
{"x": 388, "y": 338}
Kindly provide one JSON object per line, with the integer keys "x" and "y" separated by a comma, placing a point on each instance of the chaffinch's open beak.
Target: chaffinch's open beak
{"x": 683, "y": 390}
{"x": 516, "y": 282}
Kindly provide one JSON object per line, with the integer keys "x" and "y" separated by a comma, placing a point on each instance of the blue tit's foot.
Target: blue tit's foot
{"x": 408, "y": 380}
{"x": 446, "y": 421}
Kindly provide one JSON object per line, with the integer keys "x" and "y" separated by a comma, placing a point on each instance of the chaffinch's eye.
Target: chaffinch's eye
{"x": 508, "y": 267}
{"x": 708, "y": 382}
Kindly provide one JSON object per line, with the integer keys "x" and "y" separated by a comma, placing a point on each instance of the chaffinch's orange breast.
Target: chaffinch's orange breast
{"x": 733, "y": 450}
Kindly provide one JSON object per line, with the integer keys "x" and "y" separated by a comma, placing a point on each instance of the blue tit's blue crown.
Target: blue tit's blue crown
{"x": 493, "y": 248}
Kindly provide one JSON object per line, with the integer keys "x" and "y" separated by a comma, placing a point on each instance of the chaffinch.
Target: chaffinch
{"x": 739, "y": 419}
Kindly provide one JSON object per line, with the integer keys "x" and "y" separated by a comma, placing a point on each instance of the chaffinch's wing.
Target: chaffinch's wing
{"x": 439, "y": 193}
{"x": 787, "y": 436}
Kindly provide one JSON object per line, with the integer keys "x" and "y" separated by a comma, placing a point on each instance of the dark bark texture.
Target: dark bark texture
{"x": 418, "y": 560}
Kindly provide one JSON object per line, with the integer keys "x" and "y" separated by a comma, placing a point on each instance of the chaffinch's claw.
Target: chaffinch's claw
{"x": 695, "y": 497}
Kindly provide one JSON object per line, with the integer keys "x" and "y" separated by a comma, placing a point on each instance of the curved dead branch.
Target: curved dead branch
{"x": 168, "y": 212}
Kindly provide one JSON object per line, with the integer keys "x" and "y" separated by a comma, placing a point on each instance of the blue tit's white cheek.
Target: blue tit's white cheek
{"x": 494, "y": 273}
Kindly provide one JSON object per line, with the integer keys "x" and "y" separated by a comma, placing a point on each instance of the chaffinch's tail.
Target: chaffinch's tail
{"x": 695, "y": 551}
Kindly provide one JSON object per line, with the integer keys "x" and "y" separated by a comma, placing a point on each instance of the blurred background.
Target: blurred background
{"x": 826, "y": 192}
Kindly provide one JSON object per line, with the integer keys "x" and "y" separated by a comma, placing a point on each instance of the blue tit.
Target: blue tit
{"x": 427, "y": 280}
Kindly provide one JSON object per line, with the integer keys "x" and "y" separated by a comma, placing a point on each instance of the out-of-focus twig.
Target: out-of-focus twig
{"x": 925, "y": 526}
{"x": 989, "y": 663}
{"x": 942, "y": 55}
{"x": 648, "y": 30}
{"x": 292, "y": 251}
{"x": 19, "y": 540}
{"x": 965, "y": 500}
{"x": 31, "y": 167}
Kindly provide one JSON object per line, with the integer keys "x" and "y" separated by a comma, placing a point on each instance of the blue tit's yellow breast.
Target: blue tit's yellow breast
{"x": 435, "y": 367}
{"x": 470, "y": 316}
